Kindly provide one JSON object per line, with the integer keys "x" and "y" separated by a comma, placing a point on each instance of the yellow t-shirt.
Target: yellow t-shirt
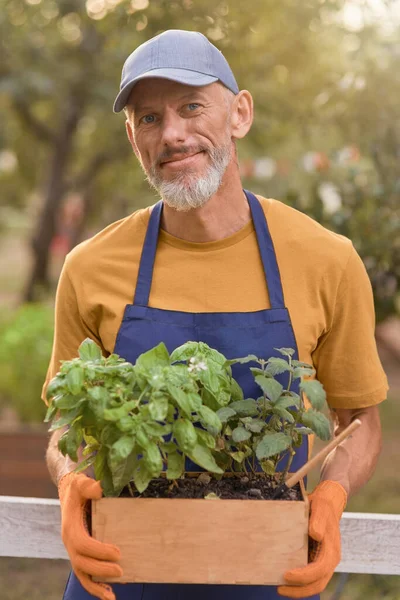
{"x": 325, "y": 285}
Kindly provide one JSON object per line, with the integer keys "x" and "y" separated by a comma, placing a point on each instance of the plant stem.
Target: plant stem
{"x": 130, "y": 489}
{"x": 290, "y": 375}
{"x": 292, "y": 453}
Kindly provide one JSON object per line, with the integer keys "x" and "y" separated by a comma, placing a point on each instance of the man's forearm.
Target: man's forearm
{"x": 353, "y": 462}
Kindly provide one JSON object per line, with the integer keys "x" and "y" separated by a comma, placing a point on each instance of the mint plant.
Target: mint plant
{"x": 136, "y": 421}
{"x": 273, "y": 425}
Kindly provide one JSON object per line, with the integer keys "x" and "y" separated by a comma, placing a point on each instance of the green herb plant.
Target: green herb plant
{"x": 272, "y": 426}
{"x": 136, "y": 421}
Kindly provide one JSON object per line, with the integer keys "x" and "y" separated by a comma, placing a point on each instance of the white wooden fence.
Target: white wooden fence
{"x": 30, "y": 528}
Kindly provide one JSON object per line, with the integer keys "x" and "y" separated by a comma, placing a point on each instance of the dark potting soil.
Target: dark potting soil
{"x": 240, "y": 487}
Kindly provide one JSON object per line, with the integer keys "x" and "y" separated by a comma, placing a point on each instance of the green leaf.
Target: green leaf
{"x": 89, "y": 350}
{"x": 318, "y": 423}
{"x": 158, "y": 408}
{"x": 285, "y": 351}
{"x": 85, "y": 464}
{"x": 271, "y": 388}
{"x": 185, "y": 434}
{"x": 210, "y": 381}
{"x": 126, "y": 424}
{"x": 75, "y": 379}
{"x": 176, "y": 465}
{"x": 225, "y": 413}
{"x": 238, "y": 456}
{"x": 298, "y": 363}
{"x": 55, "y": 386}
{"x": 185, "y": 352}
{"x": 50, "y": 413}
{"x": 62, "y": 443}
{"x": 156, "y": 429}
{"x": 202, "y": 456}
{"x": 115, "y": 414}
{"x": 120, "y": 450}
{"x": 256, "y": 371}
{"x": 286, "y": 401}
{"x": 141, "y": 438}
{"x": 304, "y": 430}
{"x": 74, "y": 440}
{"x": 240, "y": 434}
{"x": 181, "y": 399}
{"x": 100, "y": 463}
{"x": 141, "y": 476}
{"x": 209, "y": 399}
{"x": 283, "y": 413}
{"x": 272, "y": 444}
{"x": 205, "y": 438}
{"x": 98, "y": 393}
{"x": 66, "y": 401}
{"x": 123, "y": 473}
{"x": 254, "y": 425}
{"x": 209, "y": 420}
{"x": 236, "y": 391}
{"x": 195, "y": 401}
{"x": 158, "y": 356}
{"x": 107, "y": 482}
{"x": 314, "y": 392}
{"x": 268, "y": 466}
{"x": 245, "y": 408}
{"x": 244, "y": 360}
{"x": 109, "y": 435}
{"x": 303, "y": 372}
{"x": 276, "y": 366}
{"x": 153, "y": 460}
{"x": 67, "y": 418}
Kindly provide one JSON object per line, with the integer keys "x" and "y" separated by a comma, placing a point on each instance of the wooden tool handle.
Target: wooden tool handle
{"x": 293, "y": 479}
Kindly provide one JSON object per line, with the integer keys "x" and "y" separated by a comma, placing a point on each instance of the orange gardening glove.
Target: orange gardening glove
{"x": 327, "y": 503}
{"x": 88, "y": 556}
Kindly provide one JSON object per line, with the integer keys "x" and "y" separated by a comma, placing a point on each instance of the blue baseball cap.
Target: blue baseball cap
{"x": 184, "y": 56}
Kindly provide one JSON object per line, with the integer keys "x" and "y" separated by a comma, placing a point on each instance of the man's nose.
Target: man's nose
{"x": 173, "y": 129}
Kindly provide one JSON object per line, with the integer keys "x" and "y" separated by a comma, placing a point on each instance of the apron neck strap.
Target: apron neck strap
{"x": 265, "y": 244}
{"x": 146, "y": 268}
{"x": 267, "y": 251}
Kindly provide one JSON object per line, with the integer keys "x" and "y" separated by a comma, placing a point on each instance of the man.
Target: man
{"x": 215, "y": 263}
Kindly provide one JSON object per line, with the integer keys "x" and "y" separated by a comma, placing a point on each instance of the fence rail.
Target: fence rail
{"x": 30, "y": 528}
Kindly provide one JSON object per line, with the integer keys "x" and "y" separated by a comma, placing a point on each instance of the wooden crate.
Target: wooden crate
{"x": 249, "y": 542}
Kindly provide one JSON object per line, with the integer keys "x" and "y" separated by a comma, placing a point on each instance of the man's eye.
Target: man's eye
{"x": 193, "y": 105}
{"x": 147, "y": 119}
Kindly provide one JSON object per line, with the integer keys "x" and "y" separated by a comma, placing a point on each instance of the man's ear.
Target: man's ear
{"x": 241, "y": 114}
{"x": 129, "y": 133}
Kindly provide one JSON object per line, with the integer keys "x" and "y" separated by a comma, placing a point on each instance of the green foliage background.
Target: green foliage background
{"x": 318, "y": 85}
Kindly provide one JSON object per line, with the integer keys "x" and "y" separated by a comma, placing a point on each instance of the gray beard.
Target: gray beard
{"x": 186, "y": 190}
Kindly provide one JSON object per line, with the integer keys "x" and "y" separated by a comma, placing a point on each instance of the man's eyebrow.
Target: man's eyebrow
{"x": 147, "y": 107}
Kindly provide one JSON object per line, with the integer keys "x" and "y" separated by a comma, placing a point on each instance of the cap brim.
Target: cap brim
{"x": 180, "y": 75}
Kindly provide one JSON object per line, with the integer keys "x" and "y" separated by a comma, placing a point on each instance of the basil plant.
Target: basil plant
{"x": 136, "y": 421}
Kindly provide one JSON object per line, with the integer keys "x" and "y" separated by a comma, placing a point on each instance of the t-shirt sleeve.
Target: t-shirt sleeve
{"x": 70, "y": 328}
{"x": 346, "y": 357}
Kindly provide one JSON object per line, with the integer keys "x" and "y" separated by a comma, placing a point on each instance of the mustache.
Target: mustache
{"x": 170, "y": 152}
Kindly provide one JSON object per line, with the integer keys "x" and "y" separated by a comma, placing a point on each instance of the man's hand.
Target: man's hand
{"x": 88, "y": 556}
{"x": 327, "y": 503}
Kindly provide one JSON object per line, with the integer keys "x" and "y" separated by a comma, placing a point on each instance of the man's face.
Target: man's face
{"x": 182, "y": 137}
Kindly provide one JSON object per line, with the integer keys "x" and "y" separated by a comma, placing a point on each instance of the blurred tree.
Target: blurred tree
{"x": 60, "y": 72}
{"x": 316, "y": 86}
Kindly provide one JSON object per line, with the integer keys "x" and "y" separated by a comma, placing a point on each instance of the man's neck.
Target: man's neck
{"x": 223, "y": 215}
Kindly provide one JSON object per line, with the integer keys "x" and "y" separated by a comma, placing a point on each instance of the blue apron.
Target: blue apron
{"x": 233, "y": 334}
